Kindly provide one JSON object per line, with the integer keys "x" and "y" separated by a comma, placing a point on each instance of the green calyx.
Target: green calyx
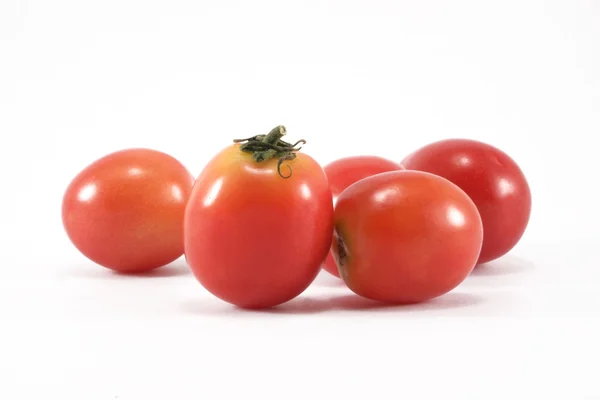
{"x": 266, "y": 147}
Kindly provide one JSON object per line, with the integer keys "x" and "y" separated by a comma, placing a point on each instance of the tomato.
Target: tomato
{"x": 405, "y": 236}
{"x": 125, "y": 210}
{"x": 259, "y": 222}
{"x": 491, "y": 178}
{"x": 345, "y": 171}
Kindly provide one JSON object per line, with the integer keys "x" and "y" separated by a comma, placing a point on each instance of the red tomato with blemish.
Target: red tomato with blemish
{"x": 343, "y": 172}
{"x": 491, "y": 178}
{"x": 125, "y": 210}
{"x": 259, "y": 223}
{"x": 405, "y": 236}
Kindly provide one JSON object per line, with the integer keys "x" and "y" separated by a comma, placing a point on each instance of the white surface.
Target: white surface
{"x": 79, "y": 79}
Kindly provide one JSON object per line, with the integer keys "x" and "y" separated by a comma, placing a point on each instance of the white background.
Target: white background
{"x": 79, "y": 79}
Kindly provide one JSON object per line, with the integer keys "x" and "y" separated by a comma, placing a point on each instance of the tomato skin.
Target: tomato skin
{"x": 253, "y": 238}
{"x": 343, "y": 172}
{"x": 491, "y": 178}
{"x": 125, "y": 210}
{"x": 405, "y": 237}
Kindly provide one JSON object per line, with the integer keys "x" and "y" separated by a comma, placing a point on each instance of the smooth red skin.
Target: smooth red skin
{"x": 401, "y": 236}
{"x": 344, "y": 172}
{"x": 493, "y": 181}
{"x": 253, "y": 238}
{"x": 125, "y": 210}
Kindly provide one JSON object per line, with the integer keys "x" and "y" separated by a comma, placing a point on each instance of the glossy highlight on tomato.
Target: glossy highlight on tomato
{"x": 259, "y": 222}
{"x": 491, "y": 178}
{"x": 125, "y": 210}
{"x": 405, "y": 236}
{"x": 343, "y": 172}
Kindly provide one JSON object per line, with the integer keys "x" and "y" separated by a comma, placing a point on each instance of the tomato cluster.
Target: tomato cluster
{"x": 263, "y": 218}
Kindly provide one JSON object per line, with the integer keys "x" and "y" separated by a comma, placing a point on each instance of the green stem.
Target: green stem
{"x": 276, "y": 133}
{"x": 266, "y": 147}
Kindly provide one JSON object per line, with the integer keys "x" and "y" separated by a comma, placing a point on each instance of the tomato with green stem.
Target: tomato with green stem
{"x": 345, "y": 171}
{"x": 491, "y": 178}
{"x": 125, "y": 210}
{"x": 259, "y": 222}
{"x": 405, "y": 236}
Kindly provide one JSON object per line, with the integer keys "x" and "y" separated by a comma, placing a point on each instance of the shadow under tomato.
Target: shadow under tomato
{"x": 352, "y": 302}
{"x": 342, "y": 303}
{"x": 175, "y": 269}
{"x": 506, "y": 265}
{"x": 326, "y": 280}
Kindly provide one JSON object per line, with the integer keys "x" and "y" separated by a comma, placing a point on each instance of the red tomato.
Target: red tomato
{"x": 253, "y": 238}
{"x": 342, "y": 173}
{"x": 493, "y": 181}
{"x": 125, "y": 210}
{"x": 405, "y": 236}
